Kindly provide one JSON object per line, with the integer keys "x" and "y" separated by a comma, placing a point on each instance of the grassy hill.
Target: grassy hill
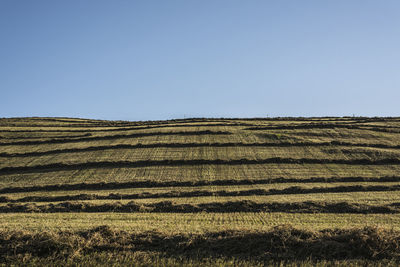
{"x": 200, "y": 191}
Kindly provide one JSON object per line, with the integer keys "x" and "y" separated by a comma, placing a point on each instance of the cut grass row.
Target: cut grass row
{"x": 202, "y": 153}
{"x": 236, "y": 137}
{"x": 391, "y": 129}
{"x": 41, "y": 136}
{"x": 195, "y": 162}
{"x": 202, "y": 138}
{"x": 103, "y": 189}
{"x": 65, "y": 120}
{"x": 295, "y": 128}
{"x": 341, "y": 135}
{"x": 179, "y": 223}
{"x": 206, "y": 174}
{"x": 229, "y": 206}
{"x": 87, "y": 122}
{"x": 118, "y": 129}
{"x": 375, "y": 198}
{"x": 283, "y": 243}
{"x": 49, "y": 122}
{"x": 116, "y": 136}
{"x": 205, "y": 193}
{"x": 327, "y": 147}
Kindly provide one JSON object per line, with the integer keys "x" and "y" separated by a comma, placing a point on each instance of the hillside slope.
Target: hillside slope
{"x": 201, "y": 177}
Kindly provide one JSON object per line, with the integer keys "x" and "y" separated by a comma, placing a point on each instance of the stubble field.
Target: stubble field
{"x": 223, "y": 192}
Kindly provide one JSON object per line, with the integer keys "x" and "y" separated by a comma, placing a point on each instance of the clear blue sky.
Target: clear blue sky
{"x": 140, "y": 60}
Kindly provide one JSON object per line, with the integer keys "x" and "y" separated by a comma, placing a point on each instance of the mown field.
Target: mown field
{"x": 224, "y": 192}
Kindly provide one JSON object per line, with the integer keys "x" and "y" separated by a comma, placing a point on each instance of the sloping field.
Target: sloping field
{"x": 200, "y": 191}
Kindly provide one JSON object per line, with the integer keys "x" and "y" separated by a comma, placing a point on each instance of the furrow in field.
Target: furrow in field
{"x": 117, "y": 129}
{"x": 161, "y": 184}
{"x": 220, "y": 207}
{"x": 323, "y": 126}
{"x": 193, "y": 145}
{"x": 117, "y": 136}
{"x": 53, "y": 136}
{"x": 106, "y": 124}
{"x": 203, "y": 193}
{"x": 227, "y": 153}
{"x": 149, "y": 163}
{"x": 196, "y": 173}
{"x": 145, "y": 140}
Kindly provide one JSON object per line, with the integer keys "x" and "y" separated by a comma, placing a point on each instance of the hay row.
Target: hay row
{"x": 220, "y": 207}
{"x": 205, "y": 193}
{"x": 148, "y": 163}
{"x": 110, "y": 137}
{"x": 227, "y": 182}
{"x": 279, "y": 243}
{"x": 193, "y": 145}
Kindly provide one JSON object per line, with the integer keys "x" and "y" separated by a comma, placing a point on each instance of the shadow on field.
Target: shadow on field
{"x": 151, "y": 183}
{"x": 205, "y": 193}
{"x": 150, "y": 163}
{"x": 349, "y": 125}
{"x": 119, "y": 128}
{"x": 279, "y": 243}
{"x": 110, "y": 137}
{"x": 32, "y": 122}
{"x": 44, "y": 137}
{"x": 190, "y": 145}
{"x": 220, "y": 207}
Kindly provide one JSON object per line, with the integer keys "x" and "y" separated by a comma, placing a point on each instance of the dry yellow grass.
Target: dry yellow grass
{"x": 66, "y": 157}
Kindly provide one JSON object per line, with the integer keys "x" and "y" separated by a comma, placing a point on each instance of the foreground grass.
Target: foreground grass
{"x": 140, "y": 259}
{"x": 282, "y": 243}
{"x": 192, "y": 222}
